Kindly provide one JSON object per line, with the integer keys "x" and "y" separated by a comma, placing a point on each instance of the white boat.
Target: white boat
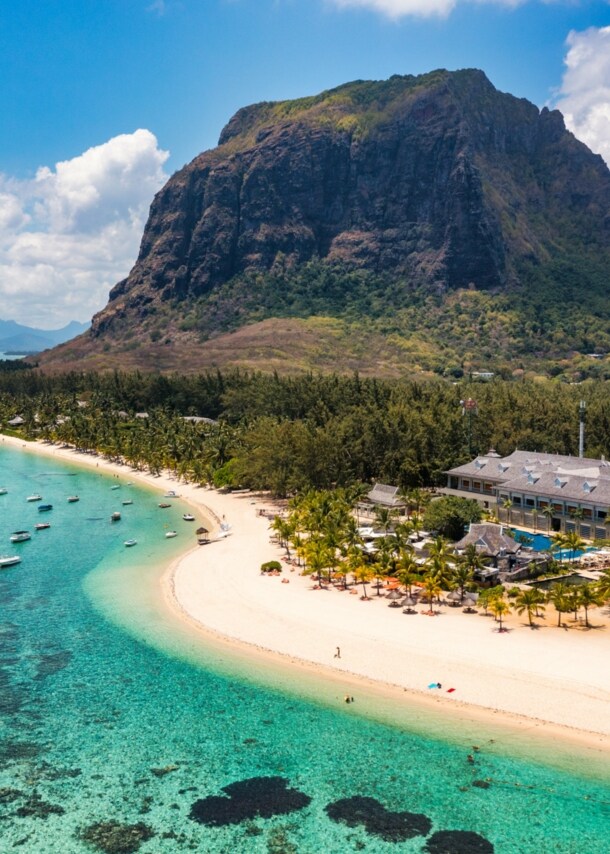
{"x": 34, "y": 498}
{"x": 115, "y": 517}
{"x": 171, "y": 534}
{"x": 20, "y": 536}
{"x": 9, "y": 560}
{"x": 41, "y": 526}
{"x": 73, "y": 498}
{"x": 116, "y": 486}
{"x": 170, "y": 494}
{"x": 125, "y": 503}
{"x": 188, "y": 517}
{"x": 3, "y": 490}
{"x": 130, "y": 543}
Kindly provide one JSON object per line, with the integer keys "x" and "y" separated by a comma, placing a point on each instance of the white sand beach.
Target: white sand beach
{"x": 546, "y": 678}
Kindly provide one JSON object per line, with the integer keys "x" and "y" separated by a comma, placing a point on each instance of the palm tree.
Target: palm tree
{"x": 317, "y": 558}
{"x": 507, "y": 505}
{"x": 573, "y": 601}
{"x": 530, "y": 601}
{"x": 559, "y": 541}
{"x": 602, "y": 586}
{"x": 363, "y": 575}
{"x": 558, "y": 596}
{"x": 461, "y": 578}
{"x": 548, "y": 512}
{"x": 408, "y": 570}
{"x": 574, "y": 543}
{"x": 384, "y": 518}
{"x": 535, "y": 519}
{"x": 432, "y": 589}
{"x": 588, "y": 598}
{"x": 499, "y": 608}
{"x": 577, "y": 513}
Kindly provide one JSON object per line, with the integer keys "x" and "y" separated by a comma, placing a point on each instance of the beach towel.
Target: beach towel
{"x": 433, "y": 685}
{"x": 450, "y": 690}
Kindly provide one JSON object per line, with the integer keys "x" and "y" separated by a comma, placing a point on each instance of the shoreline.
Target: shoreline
{"x": 285, "y": 628}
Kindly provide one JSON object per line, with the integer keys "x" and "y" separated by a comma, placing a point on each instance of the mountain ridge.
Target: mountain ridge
{"x": 413, "y": 189}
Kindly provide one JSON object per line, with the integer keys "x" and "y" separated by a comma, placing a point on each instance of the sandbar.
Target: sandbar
{"x": 550, "y": 681}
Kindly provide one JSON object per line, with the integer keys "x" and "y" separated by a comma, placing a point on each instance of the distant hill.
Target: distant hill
{"x": 15, "y": 337}
{"x": 420, "y": 222}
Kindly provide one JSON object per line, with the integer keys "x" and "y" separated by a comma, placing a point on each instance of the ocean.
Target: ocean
{"x": 122, "y": 731}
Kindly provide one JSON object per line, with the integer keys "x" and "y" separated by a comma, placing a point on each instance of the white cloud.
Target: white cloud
{"x": 584, "y": 96}
{"x": 68, "y": 235}
{"x": 419, "y": 8}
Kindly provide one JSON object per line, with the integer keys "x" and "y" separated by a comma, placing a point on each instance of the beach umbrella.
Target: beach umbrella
{"x": 454, "y": 596}
{"x": 202, "y": 531}
{"x": 408, "y": 602}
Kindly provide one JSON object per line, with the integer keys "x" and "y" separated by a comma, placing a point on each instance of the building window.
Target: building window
{"x": 516, "y": 499}
{"x": 529, "y": 502}
{"x": 557, "y": 508}
{"x": 466, "y": 484}
{"x": 476, "y": 484}
{"x": 587, "y": 513}
{"x": 601, "y": 514}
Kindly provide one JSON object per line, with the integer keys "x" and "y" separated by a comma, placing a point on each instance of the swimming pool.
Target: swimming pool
{"x": 542, "y": 543}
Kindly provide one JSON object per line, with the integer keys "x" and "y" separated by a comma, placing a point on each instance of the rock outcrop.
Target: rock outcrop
{"x": 438, "y": 181}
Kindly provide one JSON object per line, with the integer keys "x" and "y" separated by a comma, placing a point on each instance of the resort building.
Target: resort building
{"x": 540, "y": 491}
{"x": 383, "y": 495}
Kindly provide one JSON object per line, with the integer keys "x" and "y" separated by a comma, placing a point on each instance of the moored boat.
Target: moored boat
{"x": 34, "y": 497}
{"x": 115, "y": 516}
{"x": 170, "y": 494}
{"x": 42, "y": 508}
{"x": 73, "y": 498}
{"x": 130, "y": 543}
{"x": 9, "y": 560}
{"x": 41, "y": 526}
{"x": 188, "y": 517}
{"x": 125, "y": 503}
{"x": 164, "y": 505}
{"x": 170, "y": 534}
{"x": 3, "y": 490}
{"x": 116, "y": 486}
{"x": 20, "y": 536}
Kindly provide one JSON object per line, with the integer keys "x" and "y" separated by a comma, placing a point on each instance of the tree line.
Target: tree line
{"x": 290, "y": 434}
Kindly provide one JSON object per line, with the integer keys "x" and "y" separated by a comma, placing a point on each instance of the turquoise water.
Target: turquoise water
{"x": 542, "y": 543}
{"x": 105, "y": 716}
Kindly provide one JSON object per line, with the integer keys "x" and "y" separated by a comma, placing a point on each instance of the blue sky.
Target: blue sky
{"x": 81, "y": 77}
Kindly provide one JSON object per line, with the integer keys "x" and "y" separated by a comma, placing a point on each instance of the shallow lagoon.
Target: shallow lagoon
{"x": 109, "y": 713}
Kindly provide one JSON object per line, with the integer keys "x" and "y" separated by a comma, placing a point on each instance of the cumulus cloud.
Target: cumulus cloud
{"x": 420, "y": 8}
{"x": 68, "y": 235}
{"x": 584, "y": 96}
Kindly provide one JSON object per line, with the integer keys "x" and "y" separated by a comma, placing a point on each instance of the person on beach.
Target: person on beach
{"x": 338, "y": 652}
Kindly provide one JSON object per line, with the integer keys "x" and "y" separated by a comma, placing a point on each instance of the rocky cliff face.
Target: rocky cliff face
{"x": 440, "y": 181}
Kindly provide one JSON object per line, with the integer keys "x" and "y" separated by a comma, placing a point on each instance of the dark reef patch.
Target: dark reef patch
{"x": 7, "y": 795}
{"x": 112, "y": 837}
{"x": 458, "y": 842}
{"x": 161, "y": 772}
{"x": 258, "y": 797}
{"x": 377, "y": 820}
{"x": 35, "y": 807}
{"x": 52, "y": 663}
{"x": 14, "y": 751}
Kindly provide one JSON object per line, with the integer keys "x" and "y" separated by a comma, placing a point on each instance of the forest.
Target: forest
{"x": 290, "y": 434}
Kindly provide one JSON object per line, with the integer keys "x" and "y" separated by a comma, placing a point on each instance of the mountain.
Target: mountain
{"x": 27, "y": 339}
{"x": 427, "y": 221}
